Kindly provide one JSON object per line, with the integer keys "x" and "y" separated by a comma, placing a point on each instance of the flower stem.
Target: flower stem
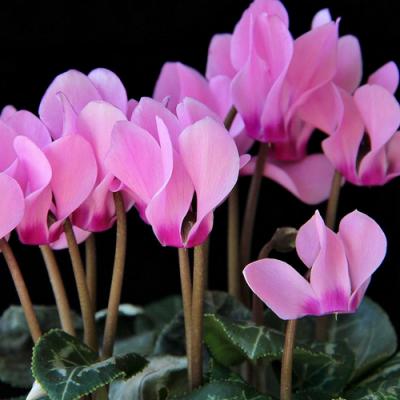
{"x": 233, "y": 244}
{"x": 91, "y": 268}
{"x": 250, "y": 212}
{"x": 331, "y": 211}
{"x": 58, "y": 287}
{"x": 89, "y": 326}
{"x": 186, "y": 287}
{"x": 26, "y": 303}
{"x": 117, "y": 278}
{"x": 197, "y": 315}
{"x": 287, "y": 361}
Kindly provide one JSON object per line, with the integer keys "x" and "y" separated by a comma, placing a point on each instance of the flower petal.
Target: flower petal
{"x": 79, "y": 91}
{"x": 386, "y": 76}
{"x": 7, "y": 152}
{"x": 110, "y": 87}
{"x": 281, "y": 288}
{"x": 11, "y": 204}
{"x": 7, "y": 111}
{"x": 74, "y": 173}
{"x": 211, "y": 158}
{"x": 322, "y": 17}
{"x": 365, "y": 246}
{"x": 190, "y": 111}
{"x": 219, "y": 57}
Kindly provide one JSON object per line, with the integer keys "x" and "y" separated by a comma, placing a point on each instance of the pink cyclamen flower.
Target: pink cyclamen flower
{"x": 177, "y": 169}
{"x": 364, "y": 149}
{"x": 89, "y": 106}
{"x": 341, "y": 265}
{"x": 55, "y": 176}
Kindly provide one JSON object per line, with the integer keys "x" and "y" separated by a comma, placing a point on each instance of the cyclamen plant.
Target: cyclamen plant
{"x": 91, "y": 156}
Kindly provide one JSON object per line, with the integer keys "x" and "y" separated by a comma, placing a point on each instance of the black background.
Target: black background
{"x": 40, "y": 40}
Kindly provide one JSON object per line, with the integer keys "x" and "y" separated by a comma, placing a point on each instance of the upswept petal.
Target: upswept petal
{"x": 7, "y": 111}
{"x": 27, "y": 124}
{"x": 110, "y": 87}
{"x": 78, "y": 89}
{"x": 7, "y": 152}
{"x": 386, "y": 76}
{"x": 33, "y": 173}
{"x": 11, "y": 204}
{"x": 74, "y": 169}
{"x": 281, "y": 288}
{"x": 349, "y": 63}
{"x": 249, "y": 90}
{"x": 380, "y": 112}
{"x": 61, "y": 242}
{"x": 342, "y": 147}
{"x": 95, "y": 123}
{"x": 322, "y": 17}
{"x": 132, "y": 103}
{"x": 211, "y": 158}
{"x": 271, "y": 7}
{"x": 191, "y": 110}
{"x": 308, "y": 179}
{"x": 365, "y": 246}
{"x": 146, "y": 113}
{"x": 135, "y": 159}
{"x": 177, "y": 81}
{"x": 219, "y": 57}
{"x": 392, "y": 154}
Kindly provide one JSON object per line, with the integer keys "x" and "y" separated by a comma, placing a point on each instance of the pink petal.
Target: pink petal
{"x": 69, "y": 116}
{"x": 33, "y": 172}
{"x": 146, "y": 113}
{"x": 220, "y": 87}
{"x": 26, "y": 124}
{"x": 386, "y": 76}
{"x": 74, "y": 173}
{"x": 322, "y": 17}
{"x": 392, "y": 152}
{"x": 7, "y": 111}
{"x": 135, "y": 159}
{"x": 380, "y": 112}
{"x": 349, "y": 63}
{"x": 211, "y": 158}
{"x": 342, "y": 147}
{"x": 308, "y": 179}
{"x": 177, "y": 81}
{"x": 95, "y": 123}
{"x": 314, "y": 59}
{"x": 323, "y": 109}
{"x": 110, "y": 87}
{"x": 270, "y": 7}
{"x": 7, "y": 152}
{"x": 365, "y": 246}
{"x": 219, "y": 57}
{"x": 281, "y": 288}
{"x": 190, "y": 111}
{"x": 132, "y": 103}
{"x": 61, "y": 243}
{"x": 78, "y": 89}
{"x": 11, "y": 204}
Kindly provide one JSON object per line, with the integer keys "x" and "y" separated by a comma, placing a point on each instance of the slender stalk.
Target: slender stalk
{"x": 331, "y": 211}
{"x": 250, "y": 211}
{"x": 206, "y": 245}
{"x": 117, "y": 278}
{"x": 186, "y": 287}
{"x": 287, "y": 361}
{"x": 91, "y": 268}
{"x": 58, "y": 287}
{"x": 233, "y": 244}
{"x": 197, "y": 316}
{"x": 22, "y": 290}
{"x": 89, "y": 326}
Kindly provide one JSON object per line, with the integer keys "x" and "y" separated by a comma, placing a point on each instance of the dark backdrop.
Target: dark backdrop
{"x": 134, "y": 38}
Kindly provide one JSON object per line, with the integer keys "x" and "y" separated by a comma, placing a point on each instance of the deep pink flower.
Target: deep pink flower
{"x": 179, "y": 169}
{"x": 11, "y": 204}
{"x": 365, "y": 147}
{"x": 89, "y": 106}
{"x": 55, "y": 176}
{"x": 341, "y": 265}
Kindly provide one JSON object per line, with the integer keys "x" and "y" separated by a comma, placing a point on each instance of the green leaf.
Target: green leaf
{"x": 16, "y": 344}
{"x": 162, "y": 377}
{"x": 218, "y": 372}
{"x": 384, "y": 383}
{"x": 67, "y": 369}
{"x": 369, "y": 334}
{"x": 224, "y": 391}
{"x": 328, "y": 375}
